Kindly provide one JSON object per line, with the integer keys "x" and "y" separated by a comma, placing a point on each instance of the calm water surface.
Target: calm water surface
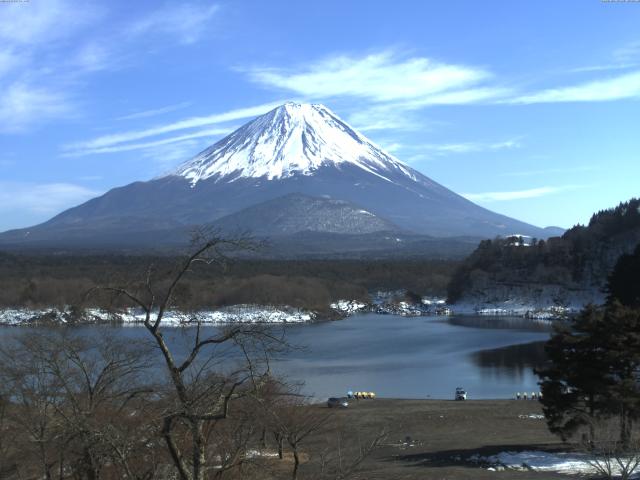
{"x": 418, "y": 357}
{"x": 404, "y": 357}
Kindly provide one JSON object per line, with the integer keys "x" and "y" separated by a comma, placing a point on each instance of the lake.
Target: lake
{"x": 402, "y": 357}
{"x": 418, "y": 357}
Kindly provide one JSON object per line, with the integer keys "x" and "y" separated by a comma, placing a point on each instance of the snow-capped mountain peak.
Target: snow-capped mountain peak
{"x": 291, "y": 139}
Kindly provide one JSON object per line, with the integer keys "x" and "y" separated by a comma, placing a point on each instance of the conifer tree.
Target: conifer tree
{"x": 593, "y": 371}
{"x": 624, "y": 281}
{"x": 575, "y": 380}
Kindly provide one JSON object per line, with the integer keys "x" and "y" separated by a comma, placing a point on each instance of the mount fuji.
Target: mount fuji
{"x": 296, "y": 170}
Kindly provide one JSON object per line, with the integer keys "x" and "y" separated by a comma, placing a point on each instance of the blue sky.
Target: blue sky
{"x": 530, "y": 109}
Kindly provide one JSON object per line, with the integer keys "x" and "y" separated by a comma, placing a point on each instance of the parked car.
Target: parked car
{"x": 337, "y": 402}
{"x": 461, "y": 394}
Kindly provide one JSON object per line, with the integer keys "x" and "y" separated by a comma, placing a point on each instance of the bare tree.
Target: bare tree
{"x": 35, "y": 395}
{"x": 346, "y": 451}
{"x": 8, "y": 454}
{"x": 76, "y": 403}
{"x": 202, "y": 384}
{"x": 607, "y": 454}
{"x": 293, "y": 422}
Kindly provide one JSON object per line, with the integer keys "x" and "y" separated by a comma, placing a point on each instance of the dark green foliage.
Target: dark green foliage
{"x": 624, "y": 282}
{"x": 574, "y": 384}
{"x": 582, "y": 258}
{"x": 58, "y": 280}
{"x": 622, "y": 348}
{"x": 593, "y": 371}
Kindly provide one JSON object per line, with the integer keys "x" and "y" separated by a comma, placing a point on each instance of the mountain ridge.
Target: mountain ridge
{"x": 292, "y": 138}
{"x": 303, "y": 149}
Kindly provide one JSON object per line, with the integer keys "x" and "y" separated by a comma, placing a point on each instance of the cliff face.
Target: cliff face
{"x": 568, "y": 270}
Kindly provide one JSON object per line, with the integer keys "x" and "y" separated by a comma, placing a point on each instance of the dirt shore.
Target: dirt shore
{"x": 433, "y": 439}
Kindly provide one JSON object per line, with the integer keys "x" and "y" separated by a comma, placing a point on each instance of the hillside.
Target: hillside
{"x": 571, "y": 269}
{"x": 288, "y": 156}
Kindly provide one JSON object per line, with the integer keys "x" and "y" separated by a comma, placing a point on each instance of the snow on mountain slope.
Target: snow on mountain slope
{"x": 293, "y": 149}
{"x": 293, "y": 138}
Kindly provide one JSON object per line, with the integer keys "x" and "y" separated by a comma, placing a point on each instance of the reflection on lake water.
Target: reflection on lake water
{"x": 402, "y": 357}
{"x": 417, "y": 357}
{"x": 502, "y": 322}
{"x": 513, "y": 361}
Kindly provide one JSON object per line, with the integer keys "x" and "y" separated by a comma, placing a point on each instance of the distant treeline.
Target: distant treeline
{"x": 582, "y": 258}
{"x": 58, "y": 280}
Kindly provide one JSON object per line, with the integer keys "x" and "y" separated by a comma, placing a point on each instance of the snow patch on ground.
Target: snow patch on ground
{"x": 234, "y": 314}
{"x": 539, "y": 461}
{"x": 386, "y": 303}
{"x": 539, "y": 302}
{"x": 517, "y": 308}
{"x": 348, "y": 307}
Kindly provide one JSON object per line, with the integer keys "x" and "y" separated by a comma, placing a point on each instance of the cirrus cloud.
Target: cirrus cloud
{"x": 382, "y": 77}
{"x": 516, "y": 194}
{"x": 108, "y": 141}
{"x": 620, "y": 87}
{"x": 41, "y": 199}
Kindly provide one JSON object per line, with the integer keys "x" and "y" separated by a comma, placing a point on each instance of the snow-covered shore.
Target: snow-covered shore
{"x": 434, "y": 306}
{"x": 543, "y": 302}
{"x": 383, "y": 303}
{"x": 514, "y": 308}
{"x": 402, "y": 308}
{"x": 226, "y": 315}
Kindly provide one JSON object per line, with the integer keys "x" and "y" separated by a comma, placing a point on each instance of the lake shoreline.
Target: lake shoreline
{"x": 412, "y": 357}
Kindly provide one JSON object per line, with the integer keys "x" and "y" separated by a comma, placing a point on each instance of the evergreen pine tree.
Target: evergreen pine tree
{"x": 622, "y": 351}
{"x": 575, "y": 381}
{"x": 624, "y": 281}
{"x": 594, "y": 360}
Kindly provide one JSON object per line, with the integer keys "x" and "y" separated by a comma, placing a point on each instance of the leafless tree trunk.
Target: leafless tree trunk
{"x": 201, "y": 394}
{"x": 69, "y": 395}
{"x": 345, "y": 453}
{"x": 294, "y": 421}
{"x": 613, "y": 453}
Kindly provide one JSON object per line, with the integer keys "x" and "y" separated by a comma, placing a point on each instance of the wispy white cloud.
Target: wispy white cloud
{"x": 47, "y": 198}
{"x": 395, "y": 84}
{"x": 9, "y": 60}
{"x": 468, "y": 147}
{"x": 22, "y": 105}
{"x": 166, "y": 157}
{"x": 550, "y": 171}
{"x": 57, "y": 51}
{"x": 625, "y": 57}
{"x": 31, "y": 35}
{"x": 106, "y": 141}
{"x": 516, "y": 194}
{"x": 94, "y": 56}
{"x": 392, "y": 147}
{"x": 383, "y": 77}
{"x": 603, "y": 67}
{"x": 36, "y": 23}
{"x": 212, "y": 132}
{"x": 155, "y": 111}
{"x": 417, "y": 152}
{"x": 388, "y": 117}
{"x": 621, "y": 87}
{"x": 628, "y": 53}
{"x": 186, "y": 21}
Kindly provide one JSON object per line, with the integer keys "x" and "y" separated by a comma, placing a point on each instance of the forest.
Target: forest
{"x": 44, "y": 280}
{"x": 582, "y": 258}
